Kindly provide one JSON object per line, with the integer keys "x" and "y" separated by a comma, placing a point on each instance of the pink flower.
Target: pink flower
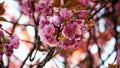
{"x": 39, "y": 6}
{"x": 14, "y": 40}
{"x": 81, "y": 13}
{"x": 69, "y": 30}
{"x": 65, "y": 13}
{"x": 8, "y": 46}
{"x": 78, "y": 36}
{"x": 9, "y": 52}
{"x": 68, "y": 44}
{"x": 51, "y": 41}
{"x": 49, "y": 30}
{"x": 43, "y": 21}
{"x": 55, "y": 20}
{"x": 81, "y": 28}
{"x": 8, "y": 49}
{"x": 84, "y": 2}
{"x": 25, "y": 7}
{"x": 43, "y": 5}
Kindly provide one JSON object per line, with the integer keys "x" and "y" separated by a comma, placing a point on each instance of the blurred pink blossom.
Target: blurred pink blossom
{"x": 117, "y": 6}
{"x": 84, "y": 2}
{"x": 65, "y": 13}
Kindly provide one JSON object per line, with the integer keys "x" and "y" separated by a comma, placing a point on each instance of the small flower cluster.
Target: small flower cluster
{"x": 70, "y": 26}
{"x": 27, "y": 6}
{"x": 7, "y": 44}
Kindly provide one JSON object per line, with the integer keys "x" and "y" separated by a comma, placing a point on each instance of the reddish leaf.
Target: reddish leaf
{"x": 56, "y": 3}
{"x": 112, "y": 66}
{"x": 71, "y": 4}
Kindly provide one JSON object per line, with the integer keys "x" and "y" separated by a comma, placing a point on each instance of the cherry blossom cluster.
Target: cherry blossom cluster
{"x": 64, "y": 28}
{"x": 7, "y": 44}
{"x": 71, "y": 28}
{"x": 58, "y": 26}
{"x": 26, "y": 6}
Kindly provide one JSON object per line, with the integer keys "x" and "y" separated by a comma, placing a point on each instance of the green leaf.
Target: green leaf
{"x": 3, "y": 19}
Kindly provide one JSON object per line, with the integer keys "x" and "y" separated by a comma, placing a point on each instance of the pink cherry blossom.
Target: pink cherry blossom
{"x": 55, "y": 20}
{"x": 49, "y": 30}
{"x": 43, "y": 21}
{"x": 43, "y": 5}
{"x": 39, "y": 6}
{"x": 81, "y": 28}
{"x": 81, "y": 13}
{"x": 8, "y": 46}
{"x": 25, "y": 7}
{"x": 84, "y": 2}
{"x": 68, "y": 44}
{"x": 9, "y": 52}
{"x": 51, "y": 40}
{"x": 65, "y": 13}
{"x": 69, "y": 30}
{"x": 14, "y": 40}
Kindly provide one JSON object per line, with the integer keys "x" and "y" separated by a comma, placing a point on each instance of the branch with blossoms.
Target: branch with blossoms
{"x": 62, "y": 29}
{"x": 7, "y": 43}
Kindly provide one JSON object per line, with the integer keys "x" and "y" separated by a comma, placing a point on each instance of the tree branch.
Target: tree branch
{"x": 47, "y": 58}
{"x": 99, "y": 9}
{"x": 37, "y": 42}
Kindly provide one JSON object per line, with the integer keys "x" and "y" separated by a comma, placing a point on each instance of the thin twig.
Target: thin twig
{"x": 15, "y": 23}
{"x": 107, "y": 58}
{"x": 31, "y": 51}
{"x": 26, "y": 41}
{"x": 37, "y": 38}
{"x": 99, "y": 9}
{"x": 47, "y": 58}
{"x": 6, "y": 31}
